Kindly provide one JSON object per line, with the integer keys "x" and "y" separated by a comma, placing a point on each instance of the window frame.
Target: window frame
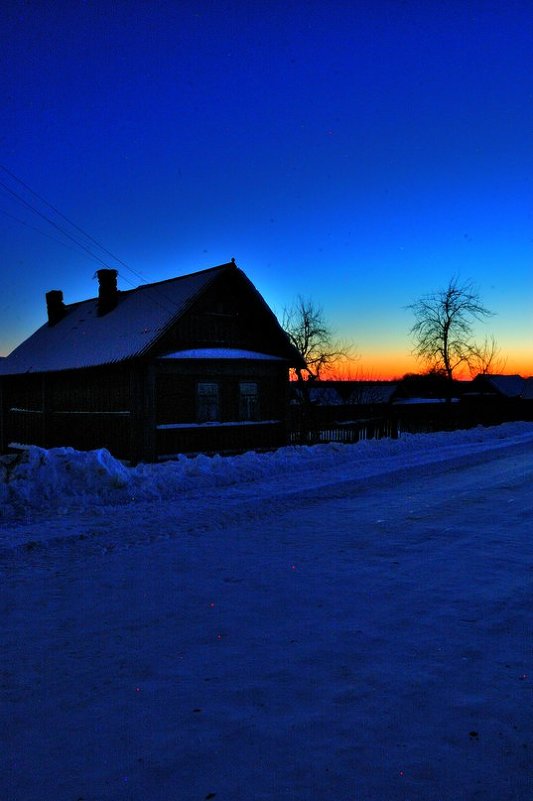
{"x": 249, "y": 401}
{"x": 207, "y": 402}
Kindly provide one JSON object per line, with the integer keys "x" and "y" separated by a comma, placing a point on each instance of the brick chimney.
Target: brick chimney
{"x": 107, "y": 291}
{"x": 55, "y": 306}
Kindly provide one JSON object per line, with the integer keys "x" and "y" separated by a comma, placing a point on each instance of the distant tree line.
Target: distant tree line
{"x": 443, "y": 333}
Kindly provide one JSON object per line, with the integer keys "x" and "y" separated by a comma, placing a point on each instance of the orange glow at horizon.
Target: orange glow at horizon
{"x": 377, "y": 367}
{"x": 387, "y": 367}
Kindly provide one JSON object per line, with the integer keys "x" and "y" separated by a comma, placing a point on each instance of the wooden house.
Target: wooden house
{"x": 502, "y": 387}
{"x": 194, "y": 363}
{"x": 501, "y": 397}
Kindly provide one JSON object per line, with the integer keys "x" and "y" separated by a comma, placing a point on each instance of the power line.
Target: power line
{"x": 73, "y": 224}
{"x": 51, "y": 222}
{"x": 28, "y": 225}
{"x": 172, "y": 304}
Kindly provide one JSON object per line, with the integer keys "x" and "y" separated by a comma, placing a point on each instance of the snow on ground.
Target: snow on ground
{"x": 344, "y": 623}
{"x": 62, "y": 479}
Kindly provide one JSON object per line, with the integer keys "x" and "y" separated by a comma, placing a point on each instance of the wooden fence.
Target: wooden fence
{"x": 347, "y": 432}
{"x": 415, "y": 419}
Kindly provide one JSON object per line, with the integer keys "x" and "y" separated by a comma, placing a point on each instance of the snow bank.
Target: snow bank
{"x": 60, "y": 477}
{"x": 38, "y": 476}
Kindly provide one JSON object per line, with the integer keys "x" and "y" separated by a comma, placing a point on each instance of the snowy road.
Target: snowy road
{"x": 363, "y": 639}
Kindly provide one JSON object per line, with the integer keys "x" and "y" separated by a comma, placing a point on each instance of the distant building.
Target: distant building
{"x": 501, "y": 386}
{"x": 194, "y": 363}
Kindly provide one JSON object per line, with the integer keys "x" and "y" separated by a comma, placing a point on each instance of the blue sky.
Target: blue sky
{"x": 356, "y": 153}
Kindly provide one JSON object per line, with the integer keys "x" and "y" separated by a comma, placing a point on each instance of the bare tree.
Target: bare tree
{"x": 443, "y": 331}
{"x": 306, "y": 326}
{"x": 487, "y": 358}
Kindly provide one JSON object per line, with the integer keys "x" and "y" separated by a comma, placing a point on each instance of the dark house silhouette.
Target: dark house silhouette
{"x": 499, "y": 386}
{"x": 502, "y": 397}
{"x": 194, "y": 363}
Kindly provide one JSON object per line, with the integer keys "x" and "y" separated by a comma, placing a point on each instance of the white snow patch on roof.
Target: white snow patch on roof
{"x": 325, "y": 396}
{"x": 221, "y": 353}
{"x": 372, "y": 393}
{"x": 510, "y": 385}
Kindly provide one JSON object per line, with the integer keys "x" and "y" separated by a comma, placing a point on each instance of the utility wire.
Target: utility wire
{"x": 51, "y": 222}
{"x": 73, "y": 224}
{"x": 172, "y": 304}
{"x": 170, "y": 309}
{"x": 28, "y": 225}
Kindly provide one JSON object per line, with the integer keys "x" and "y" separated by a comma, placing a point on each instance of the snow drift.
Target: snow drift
{"x": 62, "y": 477}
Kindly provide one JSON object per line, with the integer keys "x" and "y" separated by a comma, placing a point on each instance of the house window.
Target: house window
{"x": 207, "y": 403}
{"x": 248, "y": 401}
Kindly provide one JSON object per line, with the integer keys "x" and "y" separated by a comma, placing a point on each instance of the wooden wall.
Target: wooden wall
{"x": 120, "y": 407}
{"x": 83, "y": 409}
{"x": 176, "y": 404}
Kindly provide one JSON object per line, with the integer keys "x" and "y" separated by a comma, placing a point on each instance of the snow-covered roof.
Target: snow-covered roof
{"x": 84, "y": 339}
{"x": 511, "y": 386}
{"x": 221, "y": 353}
{"x": 141, "y": 317}
{"x": 370, "y": 393}
{"x": 353, "y": 393}
{"x": 324, "y": 396}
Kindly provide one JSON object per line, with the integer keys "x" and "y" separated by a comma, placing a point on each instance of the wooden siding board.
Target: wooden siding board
{"x": 177, "y": 382}
{"x": 149, "y": 413}
{"x": 45, "y": 411}
{"x": 220, "y": 439}
{"x": 3, "y": 418}
{"x": 59, "y": 409}
{"x": 96, "y": 390}
{"x": 230, "y": 313}
{"x": 136, "y": 424}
